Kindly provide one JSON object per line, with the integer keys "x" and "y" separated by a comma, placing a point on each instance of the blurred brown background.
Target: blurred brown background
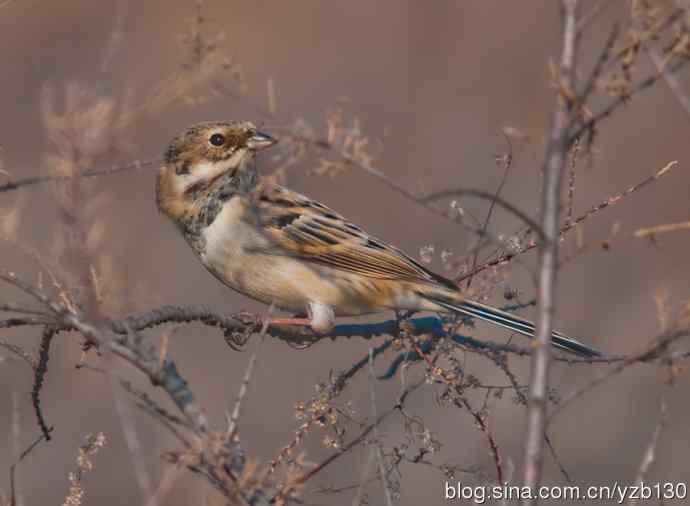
{"x": 436, "y": 81}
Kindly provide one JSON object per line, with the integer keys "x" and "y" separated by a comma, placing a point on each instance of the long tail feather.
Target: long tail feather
{"x": 511, "y": 322}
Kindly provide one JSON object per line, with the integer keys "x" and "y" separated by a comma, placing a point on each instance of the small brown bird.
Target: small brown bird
{"x": 283, "y": 248}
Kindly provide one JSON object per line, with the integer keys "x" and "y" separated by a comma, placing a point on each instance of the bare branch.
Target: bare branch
{"x": 594, "y": 12}
{"x": 491, "y": 197}
{"x": 362, "y": 435}
{"x": 39, "y": 375}
{"x": 13, "y": 468}
{"x": 651, "y": 351}
{"x": 508, "y": 256}
{"x": 650, "y": 454}
{"x": 662, "y": 229}
{"x": 377, "y": 442}
{"x": 622, "y": 100}
{"x": 19, "y": 352}
{"x": 29, "y": 181}
{"x": 554, "y": 168}
{"x": 506, "y": 162}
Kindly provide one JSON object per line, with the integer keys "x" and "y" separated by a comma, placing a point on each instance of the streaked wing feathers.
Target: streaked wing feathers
{"x": 313, "y": 232}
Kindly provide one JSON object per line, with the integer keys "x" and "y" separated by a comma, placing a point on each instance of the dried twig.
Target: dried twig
{"x": 650, "y": 352}
{"x": 506, "y": 161}
{"x": 90, "y": 448}
{"x": 598, "y": 69}
{"x": 554, "y": 167}
{"x": 622, "y": 100}
{"x": 362, "y": 435}
{"x": 650, "y": 454}
{"x": 13, "y": 468}
{"x": 571, "y": 182}
{"x": 426, "y": 201}
{"x": 593, "y": 14}
{"x": 377, "y": 442}
{"x": 669, "y": 78}
{"x": 530, "y": 245}
{"x": 170, "y": 421}
{"x": 39, "y": 375}
{"x": 130, "y": 434}
{"x": 29, "y": 181}
{"x": 19, "y": 352}
{"x": 128, "y": 345}
{"x": 244, "y": 387}
{"x": 662, "y": 229}
{"x": 483, "y": 426}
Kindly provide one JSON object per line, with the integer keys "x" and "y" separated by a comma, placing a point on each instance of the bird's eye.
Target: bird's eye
{"x": 217, "y": 140}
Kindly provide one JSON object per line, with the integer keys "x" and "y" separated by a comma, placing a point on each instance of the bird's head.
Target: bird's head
{"x": 200, "y": 155}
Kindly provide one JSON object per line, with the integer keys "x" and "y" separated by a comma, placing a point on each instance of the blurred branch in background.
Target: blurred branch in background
{"x": 29, "y": 181}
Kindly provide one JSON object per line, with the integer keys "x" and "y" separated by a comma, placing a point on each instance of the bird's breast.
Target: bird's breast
{"x": 227, "y": 240}
{"x": 239, "y": 255}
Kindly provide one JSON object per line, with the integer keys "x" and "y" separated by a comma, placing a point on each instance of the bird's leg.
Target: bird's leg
{"x": 321, "y": 318}
{"x": 296, "y": 320}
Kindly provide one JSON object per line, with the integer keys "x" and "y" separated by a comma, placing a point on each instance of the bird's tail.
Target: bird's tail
{"x": 508, "y": 321}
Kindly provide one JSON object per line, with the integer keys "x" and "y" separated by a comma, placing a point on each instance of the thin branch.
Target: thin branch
{"x": 244, "y": 387}
{"x": 506, "y": 162}
{"x": 130, "y": 434}
{"x": 461, "y": 401}
{"x": 426, "y": 201}
{"x": 622, "y": 100}
{"x": 670, "y": 78}
{"x": 247, "y": 323}
{"x": 13, "y": 468}
{"x": 150, "y": 407}
{"x": 126, "y": 344}
{"x": 501, "y": 361}
{"x": 362, "y": 435}
{"x": 13, "y": 308}
{"x": 507, "y": 256}
{"x": 377, "y": 443}
{"x": 650, "y": 454}
{"x": 598, "y": 69}
{"x": 23, "y": 321}
{"x": 39, "y": 375}
{"x": 571, "y": 182}
{"x": 491, "y": 197}
{"x": 587, "y": 19}
{"x": 652, "y": 351}
{"x": 17, "y": 497}
{"x": 662, "y": 229}
{"x": 19, "y": 352}
{"x": 554, "y": 168}
{"x": 29, "y": 181}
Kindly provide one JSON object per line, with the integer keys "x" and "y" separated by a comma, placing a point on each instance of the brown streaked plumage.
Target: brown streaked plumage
{"x": 283, "y": 248}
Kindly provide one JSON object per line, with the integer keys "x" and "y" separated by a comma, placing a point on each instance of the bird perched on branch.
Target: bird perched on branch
{"x": 285, "y": 249}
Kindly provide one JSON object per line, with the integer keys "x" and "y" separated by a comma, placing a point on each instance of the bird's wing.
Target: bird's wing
{"x": 311, "y": 231}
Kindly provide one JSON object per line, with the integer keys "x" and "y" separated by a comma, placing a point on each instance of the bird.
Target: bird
{"x": 290, "y": 251}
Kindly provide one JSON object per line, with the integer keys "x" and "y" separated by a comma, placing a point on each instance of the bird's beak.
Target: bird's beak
{"x": 259, "y": 141}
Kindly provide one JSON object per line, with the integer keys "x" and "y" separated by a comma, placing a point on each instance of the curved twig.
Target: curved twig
{"x": 30, "y": 181}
